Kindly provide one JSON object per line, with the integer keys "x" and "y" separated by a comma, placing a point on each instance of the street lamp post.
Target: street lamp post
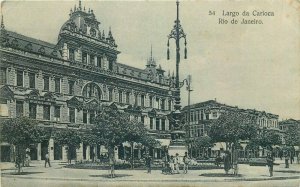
{"x": 189, "y": 89}
{"x": 177, "y": 33}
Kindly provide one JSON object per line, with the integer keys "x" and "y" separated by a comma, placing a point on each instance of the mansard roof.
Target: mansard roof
{"x": 32, "y": 45}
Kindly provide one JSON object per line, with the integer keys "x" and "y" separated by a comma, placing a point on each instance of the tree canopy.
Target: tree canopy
{"x": 22, "y": 132}
{"x": 113, "y": 127}
{"x": 233, "y": 126}
{"x": 292, "y": 135}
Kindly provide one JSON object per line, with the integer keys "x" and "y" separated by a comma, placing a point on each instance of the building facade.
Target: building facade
{"x": 201, "y": 115}
{"x": 66, "y": 84}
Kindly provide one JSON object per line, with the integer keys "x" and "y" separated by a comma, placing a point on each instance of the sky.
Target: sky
{"x": 249, "y": 66}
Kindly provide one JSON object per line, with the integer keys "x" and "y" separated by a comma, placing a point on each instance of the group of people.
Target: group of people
{"x": 171, "y": 163}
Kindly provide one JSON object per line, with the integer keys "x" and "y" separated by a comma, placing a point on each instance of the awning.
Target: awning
{"x": 164, "y": 142}
{"x": 218, "y": 146}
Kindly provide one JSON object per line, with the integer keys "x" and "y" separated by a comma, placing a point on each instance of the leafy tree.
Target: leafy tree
{"x": 203, "y": 142}
{"x": 113, "y": 127}
{"x": 265, "y": 138}
{"x": 292, "y": 134}
{"x": 70, "y": 138}
{"x": 233, "y": 126}
{"x": 21, "y": 132}
{"x": 136, "y": 132}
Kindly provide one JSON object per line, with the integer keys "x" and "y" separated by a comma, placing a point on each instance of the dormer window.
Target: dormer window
{"x": 42, "y": 50}
{"x": 72, "y": 55}
{"x": 92, "y": 60}
{"x": 93, "y": 32}
{"x": 84, "y": 57}
{"x": 110, "y": 65}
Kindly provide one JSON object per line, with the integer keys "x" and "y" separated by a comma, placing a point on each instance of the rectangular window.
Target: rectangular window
{"x": 110, "y": 94}
{"x": 92, "y": 60}
{"x": 84, "y": 58}
{"x": 46, "y": 83}
{"x": 3, "y": 76}
{"x": 110, "y": 66}
{"x": 207, "y": 116}
{"x": 150, "y": 101}
{"x": 215, "y": 114}
{"x": 72, "y": 115}
{"x": 157, "y": 124}
{"x": 92, "y": 117}
{"x": 157, "y": 103}
{"x": 46, "y": 115}
{"x": 3, "y": 107}
{"x": 71, "y": 87}
{"x": 202, "y": 115}
{"x": 98, "y": 62}
{"x": 32, "y": 110}
{"x": 163, "y": 124}
{"x": 72, "y": 55}
{"x": 31, "y": 80}
{"x": 151, "y": 123}
{"x": 142, "y": 100}
{"x": 199, "y": 117}
{"x": 57, "y": 85}
{"x": 163, "y": 104}
{"x": 19, "y": 108}
{"x": 136, "y": 99}
{"x": 120, "y": 97}
{"x": 20, "y": 78}
{"x": 143, "y": 119}
{"x": 170, "y": 105}
{"x": 127, "y": 97}
{"x": 85, "y": 116}
{"x": 57, "y": 113}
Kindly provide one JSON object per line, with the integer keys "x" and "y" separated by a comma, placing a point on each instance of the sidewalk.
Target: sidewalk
{"x": 247, "y": 173}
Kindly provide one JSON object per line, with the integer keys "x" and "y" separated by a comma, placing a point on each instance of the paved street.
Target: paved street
{"x": 58, "y": 175}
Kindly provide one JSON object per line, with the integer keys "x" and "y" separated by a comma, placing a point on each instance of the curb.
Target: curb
{"x": 153, "y": 180}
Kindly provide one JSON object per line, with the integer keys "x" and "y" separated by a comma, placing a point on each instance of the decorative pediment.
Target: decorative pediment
{"x": 113, "y": 106}
{"x": 152, "y": 112}
{"x": 93, "y": 104}
{"x": 134, "y": 109}
{"x": 6, "y": 93}
{"x": 74, "y": 102}
{"x": 34, "y": 94}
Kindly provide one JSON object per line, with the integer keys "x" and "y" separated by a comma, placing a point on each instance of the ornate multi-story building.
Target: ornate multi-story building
{"x": 201, "y": 116}
{"x": 66, "y": 84}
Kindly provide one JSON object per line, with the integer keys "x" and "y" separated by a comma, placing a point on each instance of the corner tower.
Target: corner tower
{"x": 81, "y": 41}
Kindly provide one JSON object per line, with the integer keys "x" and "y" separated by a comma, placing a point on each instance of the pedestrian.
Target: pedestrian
{"x": 227, "y": 162}
{"x": 47, "y": 160}
{"x": 148, "y": 163}
{"x": 186, "y": 162}
{"x": 27, "y": 160}
{"x": 286, "y": 157}
{"x": 176, "y": 162}
{"x": 112, "y": 162}
{"x": 298, "y": 158}
{"x": 172, "y": 166}
{"x": 292, "y": 156}
{"x": 270, "y": 161}
{"x": 166, "y": 167}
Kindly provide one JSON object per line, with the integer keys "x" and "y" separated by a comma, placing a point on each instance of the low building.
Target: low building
{"x": 201, "y": 115}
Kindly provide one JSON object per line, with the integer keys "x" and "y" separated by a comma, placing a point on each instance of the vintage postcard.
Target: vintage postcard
{"x": 150, "y": 93}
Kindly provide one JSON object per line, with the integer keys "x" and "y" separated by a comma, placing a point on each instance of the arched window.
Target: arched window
{"x": 92, "y": 90}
